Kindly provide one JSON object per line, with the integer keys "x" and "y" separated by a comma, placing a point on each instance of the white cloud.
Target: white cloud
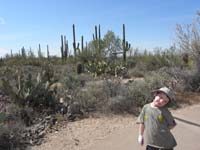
{"x": 2, "y": 21}
{"x": 3, "y": 52}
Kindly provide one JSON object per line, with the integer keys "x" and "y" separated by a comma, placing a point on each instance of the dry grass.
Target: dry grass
{"x": 187, "y": 98}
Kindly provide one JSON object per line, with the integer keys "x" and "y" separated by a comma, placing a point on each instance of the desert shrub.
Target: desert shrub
{"x": 136, "y": 72}
{"x": 25, "y": 87}
{"x": 135, "y": 94}
{"x": 11, "y": 137}
{"x": 188, "y": 80}
{"x": 60, "y": 117}
{"x": 19, "y": 60}
{"x": 73, "y": 81}
{"x": 87, "y": 100}
{"x": 113, "y": 96}
{"x": 112, "y": 87}
{"x": 11, "y": 129}
{"x": 156, "y": 79}
{"x": 185, "y": 79}
{"x": 119, "y": 105}
{"x": 131, "y": 62}
{"x": 92, "y": 97}
{"x": 138, "y": 93}
{"x": 125, "y": 98}
{"x": 160, "y": 58}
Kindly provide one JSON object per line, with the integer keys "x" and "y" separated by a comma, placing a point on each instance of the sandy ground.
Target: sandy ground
{"x": 120, "y": 133}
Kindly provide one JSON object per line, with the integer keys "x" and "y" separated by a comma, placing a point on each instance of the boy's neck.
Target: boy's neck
{"x": 153, "y": 105}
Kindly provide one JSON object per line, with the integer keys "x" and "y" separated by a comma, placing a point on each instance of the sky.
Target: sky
{"x": 149, "y": 23}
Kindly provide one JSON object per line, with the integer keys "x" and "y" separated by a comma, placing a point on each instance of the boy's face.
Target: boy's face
{"x": 160, "y": 99}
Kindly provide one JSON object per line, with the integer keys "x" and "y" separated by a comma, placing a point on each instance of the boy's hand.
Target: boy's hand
{"x": 174, "y": 124}
{"x": 140, "y": 139}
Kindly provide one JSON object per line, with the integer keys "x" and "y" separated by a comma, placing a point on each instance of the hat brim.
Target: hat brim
{"x": 171, "y": 102}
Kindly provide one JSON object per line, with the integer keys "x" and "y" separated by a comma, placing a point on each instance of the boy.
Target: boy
{"x": 156, "y": 120}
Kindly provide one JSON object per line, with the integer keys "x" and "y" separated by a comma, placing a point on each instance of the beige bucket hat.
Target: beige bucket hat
{"x": 169, "y": 94}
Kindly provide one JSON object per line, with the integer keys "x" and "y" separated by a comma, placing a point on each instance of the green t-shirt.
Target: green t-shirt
{"x": 157, "y": 122}
{"x": 2, "y": 117}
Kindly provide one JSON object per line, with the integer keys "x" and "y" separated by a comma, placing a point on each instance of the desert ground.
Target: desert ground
{"x": 120, "y": 132}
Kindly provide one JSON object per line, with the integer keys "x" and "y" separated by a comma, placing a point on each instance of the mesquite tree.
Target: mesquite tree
{"x": 189, "y": 39}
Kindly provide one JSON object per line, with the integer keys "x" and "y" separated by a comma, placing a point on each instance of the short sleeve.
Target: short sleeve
{"x": 140, "y": 118}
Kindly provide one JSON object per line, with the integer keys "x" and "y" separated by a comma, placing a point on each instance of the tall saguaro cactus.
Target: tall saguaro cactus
{"x": 125, "y": 44}
{"x": 82, "y": 46}
{"x": 40, "y": 55}
{"x": 96, "y": 35}
{"x": 48, "y": 56}
{"x": 11, "y": 53}
{"x": 86, "y": 46}
{"x": 74, "y": 40}
{"x": 66, "y": 50}
{"x": 97, "y": 38}
{"x": 99, "y": 32}
{"x": 75, "y": 46}
{"x": 62, "y": 47}
{"x": 99, "y": 41}
{"x": 23, "y": 51}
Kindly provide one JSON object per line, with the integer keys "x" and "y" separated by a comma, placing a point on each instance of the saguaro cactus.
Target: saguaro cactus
{"x": 86, "y": 46}
{"x": 11, "y": 53}
{"x": 23, "y": 52}
{"x": 40, "y": 55}
{"x": 125, "y": 44}
{"x": 99, "y": 32}
{"x": 74, "y": 40}
{"x": 97, "y": 38}
{"x": 76, "y": 47}
{"x": 39, "y": 47}
{"x": 66, "y": 48}
{"x": 82, "y": 46}
{"x": 96, "y": 35}
{"x": 62, "y": 47}
{"x": 48, "y": 52}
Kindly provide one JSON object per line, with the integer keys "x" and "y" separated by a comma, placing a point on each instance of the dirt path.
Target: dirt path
{"x": 118, "y": 132}
{"x": 187, "y": 133}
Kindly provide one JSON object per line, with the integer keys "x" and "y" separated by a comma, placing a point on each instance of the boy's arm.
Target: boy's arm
{"x": 141, "y": 132}
{"x": 169, "y": 118}
{"x": 141, "y": 129}
{"x": 140, "y": 121}
{"x": 172, "y": 126}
